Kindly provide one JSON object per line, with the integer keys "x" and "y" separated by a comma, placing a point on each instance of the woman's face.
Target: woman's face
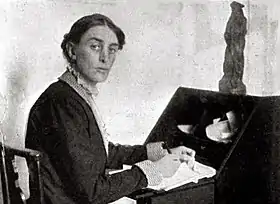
{"x": 96, "y": 53}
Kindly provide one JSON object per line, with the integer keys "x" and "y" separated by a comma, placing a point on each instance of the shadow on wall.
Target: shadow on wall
{"x": 14, "y": 122}
{"x": 17, "y": 80}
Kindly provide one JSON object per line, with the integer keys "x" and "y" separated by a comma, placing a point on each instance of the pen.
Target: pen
{"x": 165, "y": 146}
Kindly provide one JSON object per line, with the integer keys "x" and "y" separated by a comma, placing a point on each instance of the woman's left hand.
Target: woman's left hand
{"x": 185, "y": 154}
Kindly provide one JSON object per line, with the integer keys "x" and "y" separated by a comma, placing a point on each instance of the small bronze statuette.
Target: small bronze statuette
{"x": 233, "y": 66}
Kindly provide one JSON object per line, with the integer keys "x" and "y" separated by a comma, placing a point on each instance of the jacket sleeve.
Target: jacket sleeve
{"x": 125, "y": 154}
{"x": 67, "y": 141}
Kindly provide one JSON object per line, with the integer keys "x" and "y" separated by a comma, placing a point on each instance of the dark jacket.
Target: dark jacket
{"x": 62, "y": 127}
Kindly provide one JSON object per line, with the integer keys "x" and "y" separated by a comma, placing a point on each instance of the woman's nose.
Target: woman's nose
{"x": 103, "y": 57}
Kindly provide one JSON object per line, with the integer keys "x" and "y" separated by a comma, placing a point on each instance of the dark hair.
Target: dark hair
{"x": 85, "y": 23}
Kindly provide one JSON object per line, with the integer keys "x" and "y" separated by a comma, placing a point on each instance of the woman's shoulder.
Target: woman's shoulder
{"x": 59, "y": 92}
{"x": 60, "y": 89}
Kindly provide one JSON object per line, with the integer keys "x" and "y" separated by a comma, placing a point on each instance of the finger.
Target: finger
{"x": 188, "y": 151}
{"x": 172, "y": 156}
{"x": 189, "y": 160}
{"x": 185, "y": 158}
{"x": 191, "y": 164}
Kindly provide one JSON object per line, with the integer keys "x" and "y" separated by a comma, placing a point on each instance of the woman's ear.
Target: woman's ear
{"x": 70, "y": 47}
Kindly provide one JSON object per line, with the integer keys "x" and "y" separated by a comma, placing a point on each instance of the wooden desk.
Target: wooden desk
{"x": 243, "y": 166}
{"x": 203, "y": 193}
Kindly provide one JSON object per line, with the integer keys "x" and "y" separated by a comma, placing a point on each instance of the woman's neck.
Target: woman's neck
{"x": 83, "y": 81}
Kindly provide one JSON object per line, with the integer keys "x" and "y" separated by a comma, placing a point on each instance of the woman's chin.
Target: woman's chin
{"x": 101, "y": 79}
{"x": 98, "y": 79}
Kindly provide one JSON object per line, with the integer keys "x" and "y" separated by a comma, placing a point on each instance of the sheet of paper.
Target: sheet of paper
{"x": 185, "y": 175}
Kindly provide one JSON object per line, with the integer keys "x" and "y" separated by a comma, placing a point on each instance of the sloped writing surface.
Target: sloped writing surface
{"x": 187, "y": 106}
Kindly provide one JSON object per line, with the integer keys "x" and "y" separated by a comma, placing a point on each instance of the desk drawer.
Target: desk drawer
{"x": 203, "y": 194}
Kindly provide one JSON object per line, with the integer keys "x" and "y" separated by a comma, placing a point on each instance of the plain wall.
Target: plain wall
{"x": 170, "y": 43}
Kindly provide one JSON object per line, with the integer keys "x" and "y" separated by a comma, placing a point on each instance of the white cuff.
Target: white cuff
{"x": 153, "y": 176}
{"x": 155, "y": 151}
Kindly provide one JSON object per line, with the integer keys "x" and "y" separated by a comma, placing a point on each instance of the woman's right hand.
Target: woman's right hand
{"x": 168, "y": 165}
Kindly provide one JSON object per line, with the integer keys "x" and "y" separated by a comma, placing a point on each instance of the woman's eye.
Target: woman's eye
{"x": 95, "y": 47}
{"x": 112, "y": 50}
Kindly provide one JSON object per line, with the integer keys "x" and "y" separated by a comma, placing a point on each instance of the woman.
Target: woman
{"x": 65, "y": 126}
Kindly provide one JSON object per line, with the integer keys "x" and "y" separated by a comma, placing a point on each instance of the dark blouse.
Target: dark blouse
{"x": 61, "y": 125}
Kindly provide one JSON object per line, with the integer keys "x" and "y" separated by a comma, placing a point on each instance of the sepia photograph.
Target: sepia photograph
{"x": 139, "y": 102}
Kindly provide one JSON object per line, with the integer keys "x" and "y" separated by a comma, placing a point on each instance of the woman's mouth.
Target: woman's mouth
{"x": 102, "y": 69}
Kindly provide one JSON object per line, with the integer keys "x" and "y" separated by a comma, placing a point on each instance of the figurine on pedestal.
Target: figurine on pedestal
{"x": 233, "y": 66}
